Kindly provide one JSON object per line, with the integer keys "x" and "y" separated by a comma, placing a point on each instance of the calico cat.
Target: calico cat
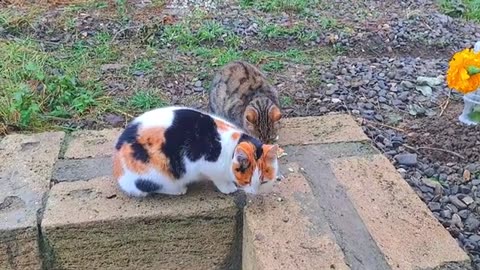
{"x": 241, "y": 94}
{"x": 165, "y": 149}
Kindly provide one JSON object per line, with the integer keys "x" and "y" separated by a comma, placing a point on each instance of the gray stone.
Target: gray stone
{"x": 468, "y": 200}
{"x": 407, "y": 84}
{"x": 474, "y": 238}
{"x": 472, "y": 223}
{"x": 457, "y": 202}
{"x": 457, "y": 221}
{"x": 198, "y": 84}
{"x": 463, "y": 213}
{"x": 429, "y": 172}
{"x": 434, "y": 206}
{"x": 446, "y": 214}
{"x": 406, "y": 159}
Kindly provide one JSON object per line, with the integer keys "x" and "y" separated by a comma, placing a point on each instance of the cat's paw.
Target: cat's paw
{"x": 227, "y": 188}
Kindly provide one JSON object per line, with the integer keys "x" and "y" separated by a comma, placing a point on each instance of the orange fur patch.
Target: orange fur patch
{"x": 251, "y": 115}
{"x": 244, "y": 178}
{"x": 117, "y": 166}
{"x": 132, "y": 164}
{"x": 152, "y": 140}
{"x": 236, "y": 136}
{"x": 269, "y": 153}
{"x": 223, "y": 126}
{"x": 275, "y": 113}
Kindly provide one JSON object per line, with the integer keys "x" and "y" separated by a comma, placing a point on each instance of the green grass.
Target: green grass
{"x": 297, "y": 6}
{"x": 217, "y": 57}
{"x": 39, "y": 87}
{"x": 190, "y": 34}
{"x": 298, "y": 32}
{"x": 286, "y": 101}
{"x": 144, "y": 65}
{"x": 144, "y": 100}
{"x": 468, "y": 9}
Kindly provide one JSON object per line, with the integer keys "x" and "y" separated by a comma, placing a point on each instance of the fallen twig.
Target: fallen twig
{"x": 382, "y": 125}
{"x": 445, "y": 105}
{"x": 434, "y": 149}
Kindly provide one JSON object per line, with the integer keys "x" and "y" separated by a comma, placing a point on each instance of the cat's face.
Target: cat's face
{"x": 263, "y": 126}
{"x": 251, "y": 174}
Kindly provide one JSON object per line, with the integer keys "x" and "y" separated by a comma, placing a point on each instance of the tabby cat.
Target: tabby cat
{"x": 241, "y": 94}
{"x": 165, "y": 149}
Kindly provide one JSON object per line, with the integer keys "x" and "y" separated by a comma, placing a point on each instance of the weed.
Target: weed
{"x": 122, "y": 10}
{"x": 328, "y": 23}
{"x": 286, "y": 101}
{"x": 17, "y": 22}
{"x": 216, "y": 56}
{"x": 298, "y": 32}
{"x": 188, "y": 35}
{"x": 103, "y": 50}
{"x": 468, "y": 9}
{"x": 273, "y": 66}
{"x": 297, "y": 6}
{"x": 172, "y": 67}
{"x": 38, "y": 86}
{"x": 144, "y": 100}
{"x": 143, "y": 65}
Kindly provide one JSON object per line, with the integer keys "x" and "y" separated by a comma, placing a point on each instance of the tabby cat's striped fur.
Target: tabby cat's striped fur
{"x": 242, "y": 94}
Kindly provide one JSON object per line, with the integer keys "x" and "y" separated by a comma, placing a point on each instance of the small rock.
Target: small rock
{"x": 198, "y": 84}
{"x": 457, "y": 221}
{"x": 464, "y": 213}
{"x": 465, "y": 189}
{"x": 429, "y": 172}
{"x": 457, "y": 202}
{"x": 285, "y": 219}
{"x": 378, "y": 117}
{"x": 474, "y": 238}
{"x": 114, "y": 120}
{"x": 430, "y": 81}
{"x": 407, "y": 84}
{"x": 406, "y": 159}
{"x": 336, "y": 100}
{"x": 446, "y": 214}
{"x": 434, "y": 206}
{"x": 425, "y": 90}
{"x": 468, "y": 200}
{"x": 472, "y": 223}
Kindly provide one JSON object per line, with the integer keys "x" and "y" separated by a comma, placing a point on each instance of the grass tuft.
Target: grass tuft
{"x": 468, "y": 9}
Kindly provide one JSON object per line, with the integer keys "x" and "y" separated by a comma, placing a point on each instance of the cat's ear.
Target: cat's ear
{"x": 251, "y": 114}
{"x": 242, "y": 158}
{"x": 270, "y": 151}
{"x": 274, "y": 113}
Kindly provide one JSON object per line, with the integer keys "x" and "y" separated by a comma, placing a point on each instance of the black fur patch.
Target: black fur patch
{"x": 193, "y": 134}
{"x": 256, "y": 142}
{"x": 129, "y": 135}
{"x": 147, "y": 185}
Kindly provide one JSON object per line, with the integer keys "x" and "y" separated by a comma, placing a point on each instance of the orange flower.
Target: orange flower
{"x": 458, "y": 77}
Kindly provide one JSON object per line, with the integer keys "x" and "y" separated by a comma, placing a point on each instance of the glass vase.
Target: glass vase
{"x": 471, "y": 108}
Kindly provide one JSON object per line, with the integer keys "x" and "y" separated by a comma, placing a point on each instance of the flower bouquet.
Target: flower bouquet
{"x": 464, "y": 76}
